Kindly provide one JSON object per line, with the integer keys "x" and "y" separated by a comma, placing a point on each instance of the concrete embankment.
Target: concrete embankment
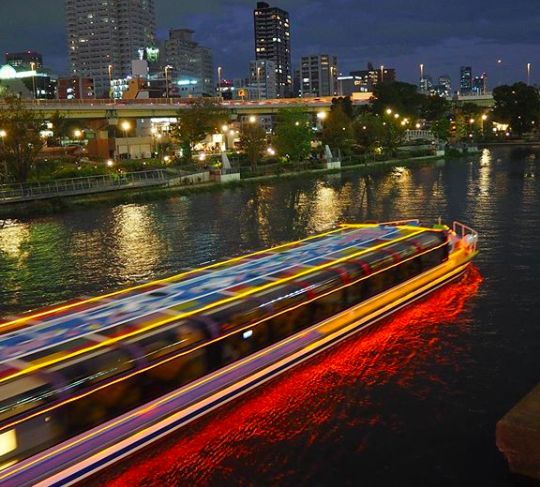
{"x": 518, "y": 436}
{"x": 141, "y": 195}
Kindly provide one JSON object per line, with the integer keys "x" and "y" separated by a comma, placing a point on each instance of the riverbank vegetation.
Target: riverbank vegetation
{"x": 399, "y": 122}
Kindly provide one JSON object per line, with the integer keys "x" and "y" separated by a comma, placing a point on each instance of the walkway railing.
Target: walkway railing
{"x": 92, "y": 184}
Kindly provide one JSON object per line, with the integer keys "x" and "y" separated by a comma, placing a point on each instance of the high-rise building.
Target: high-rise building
{"x": 262, "y": 78}
{"x": 273, "y": 43}
{"x": 479, "y": 84}
{"x": 318, "y": 75}
{"x": 465, "y": 80}
{"x": 373, "y": 76}
{"x": 104, "y": 36}
{"x": 26, "y": 59}
{"x": 190, "y": 60}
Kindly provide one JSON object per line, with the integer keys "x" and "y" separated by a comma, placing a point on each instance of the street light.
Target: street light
{"x": 389, "y": 111}
{"x": 167, "y": 68}
{"x": 33, "y": 67}
{"x": 126, "y": 126}
{"x": 3, "y": 134}
{"x": 77, "y": 133}
{"x": 219, "y": 73}
{"x": 252, "y": 119}
{"x": 322, "y": 115}
{"x": 259, "y": 81}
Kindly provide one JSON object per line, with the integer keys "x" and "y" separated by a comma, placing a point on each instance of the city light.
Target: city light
{"x": 224, "y": 128}
{"x": 77, "y": 133}
{"x": 389, "y": 111}
{"x": 271, "y": 151}
{"x": 252, "y": 119}
{"x": 3, "y": 133}
{"x": 110, "y": 163}
{"x": 322, "y": 115}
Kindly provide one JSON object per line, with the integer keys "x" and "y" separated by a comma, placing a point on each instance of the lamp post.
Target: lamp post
{"x": 33, "y": 67}
{"x": 259, "y": 81}
{"x": 220, "y": 75}
{"x": 167, "y": 68}
{"x": 126, "y": 126}
{"x": 483, "y": 118}
{"x": 110, "y": 70}
{"x": 3, "y": 135}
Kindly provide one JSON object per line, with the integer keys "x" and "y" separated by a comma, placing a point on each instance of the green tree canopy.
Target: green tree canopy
{"x": 434, "y": 107}
{"x": 402, "y": 98}
{"x": 202, "y": 118}
{"x": 345, "y": 104}
{"x": 253, "y": 142}
{"x": 20, "y": 142}
{"x": 293, "y": 134}
{"x": 337, "y": 131}
{"x": 517, "y": 105}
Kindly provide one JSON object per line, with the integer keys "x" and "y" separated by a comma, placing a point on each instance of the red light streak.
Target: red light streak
{"x": 303, "y": 404}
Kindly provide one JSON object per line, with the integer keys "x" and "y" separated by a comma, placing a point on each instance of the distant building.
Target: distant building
{"x": 25, "y": 60}
{"x": 105, "y": 36}
{"x": 75, "y": 88}
{"x": 319, "y": 75}
{"x": 273, "y": 43}
{"x": 348, "y": 85}
{"x": 479, "y": 85}
{"x": 28, "y": 83}
{"x": 193, "y": 62}
{"x": 426, "y": 84}
{"x": 445, "y": 82}
{"x": 372, "y": 76}
{"x": 262, "y": 78}
{"x": 238, "y": 89}
{"x": 466, "y": 80}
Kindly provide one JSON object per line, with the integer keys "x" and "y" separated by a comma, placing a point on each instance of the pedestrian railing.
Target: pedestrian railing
{"x": 74, "y": 186}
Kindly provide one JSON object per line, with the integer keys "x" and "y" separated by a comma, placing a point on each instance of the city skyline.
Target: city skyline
{"x": 390, "y": 33}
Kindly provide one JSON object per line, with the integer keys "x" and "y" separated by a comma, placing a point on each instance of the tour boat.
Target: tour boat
{"x": 87, "y": 383}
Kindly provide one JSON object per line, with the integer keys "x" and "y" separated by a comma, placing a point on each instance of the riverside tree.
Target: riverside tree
{"x": 517, "y": 105}
{"x": 20, "y": 140}
{"x": 253, "y": 143}
{"x": 337, "y": 130}
{"x": 202, "y": 118}
{"x": 293, "y": 134}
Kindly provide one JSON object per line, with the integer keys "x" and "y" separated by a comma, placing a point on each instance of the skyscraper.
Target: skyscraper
{"x": 466, "y": 80}
{"x": 191, "y": 61}
{"x": 273, "y": 43}
{"x": 318, "y": 75}
{"x": 104, "y": 36}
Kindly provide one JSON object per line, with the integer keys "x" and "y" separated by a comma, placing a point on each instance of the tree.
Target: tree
{"x": 368, "y": 132}
{"x": 293, "y": 134}
{"x": 401, "y": 97}
{"x": 253, "y": 142}
{"x": 337, "y": 131}
{"x": 434, "y": 107}
{"x": 195, "y": 123}
{"x": 517, "y": 105}
{"x": 21, "y": 141}
{"x": 345, "y": 104}
{"x": 441, "y": 128}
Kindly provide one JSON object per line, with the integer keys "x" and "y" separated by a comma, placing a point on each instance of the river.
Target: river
{"x": 414, "y": 401}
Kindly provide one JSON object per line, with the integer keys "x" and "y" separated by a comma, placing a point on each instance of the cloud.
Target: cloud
{"x": 404, "y": 32}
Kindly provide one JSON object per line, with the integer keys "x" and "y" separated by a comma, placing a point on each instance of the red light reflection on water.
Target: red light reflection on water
{"x": 310, "y": 400}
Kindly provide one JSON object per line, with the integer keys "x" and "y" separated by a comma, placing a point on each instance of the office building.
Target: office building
{"x": 273, "y": 43}
{"x": 192, "y": 61}
{"x": 319, "y": 76}
{"x": 262, "y": 79}
{"x": 105, "y": 36}
{"x": 75, "y": 88}
{"x": 466, "y": 80}
{"x": 372, "y": 76}
{"x": 28, "y": 83}
{"x": 25, "y": 60}
{"x": 479, "y": 85}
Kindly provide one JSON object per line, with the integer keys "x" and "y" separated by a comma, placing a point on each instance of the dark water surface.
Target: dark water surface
{"x": 413, "y": 402}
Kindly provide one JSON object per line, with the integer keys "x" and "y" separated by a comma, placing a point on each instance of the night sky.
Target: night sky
{"x": 442, "y": 34}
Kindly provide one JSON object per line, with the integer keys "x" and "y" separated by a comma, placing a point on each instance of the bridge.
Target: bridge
{"x": 98, "y": 109}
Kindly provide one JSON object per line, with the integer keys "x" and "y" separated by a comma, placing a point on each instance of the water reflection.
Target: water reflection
{"x": 344, "y": 386}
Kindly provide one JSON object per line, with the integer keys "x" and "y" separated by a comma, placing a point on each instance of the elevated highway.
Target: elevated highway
{"x": 157, "y": 108}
